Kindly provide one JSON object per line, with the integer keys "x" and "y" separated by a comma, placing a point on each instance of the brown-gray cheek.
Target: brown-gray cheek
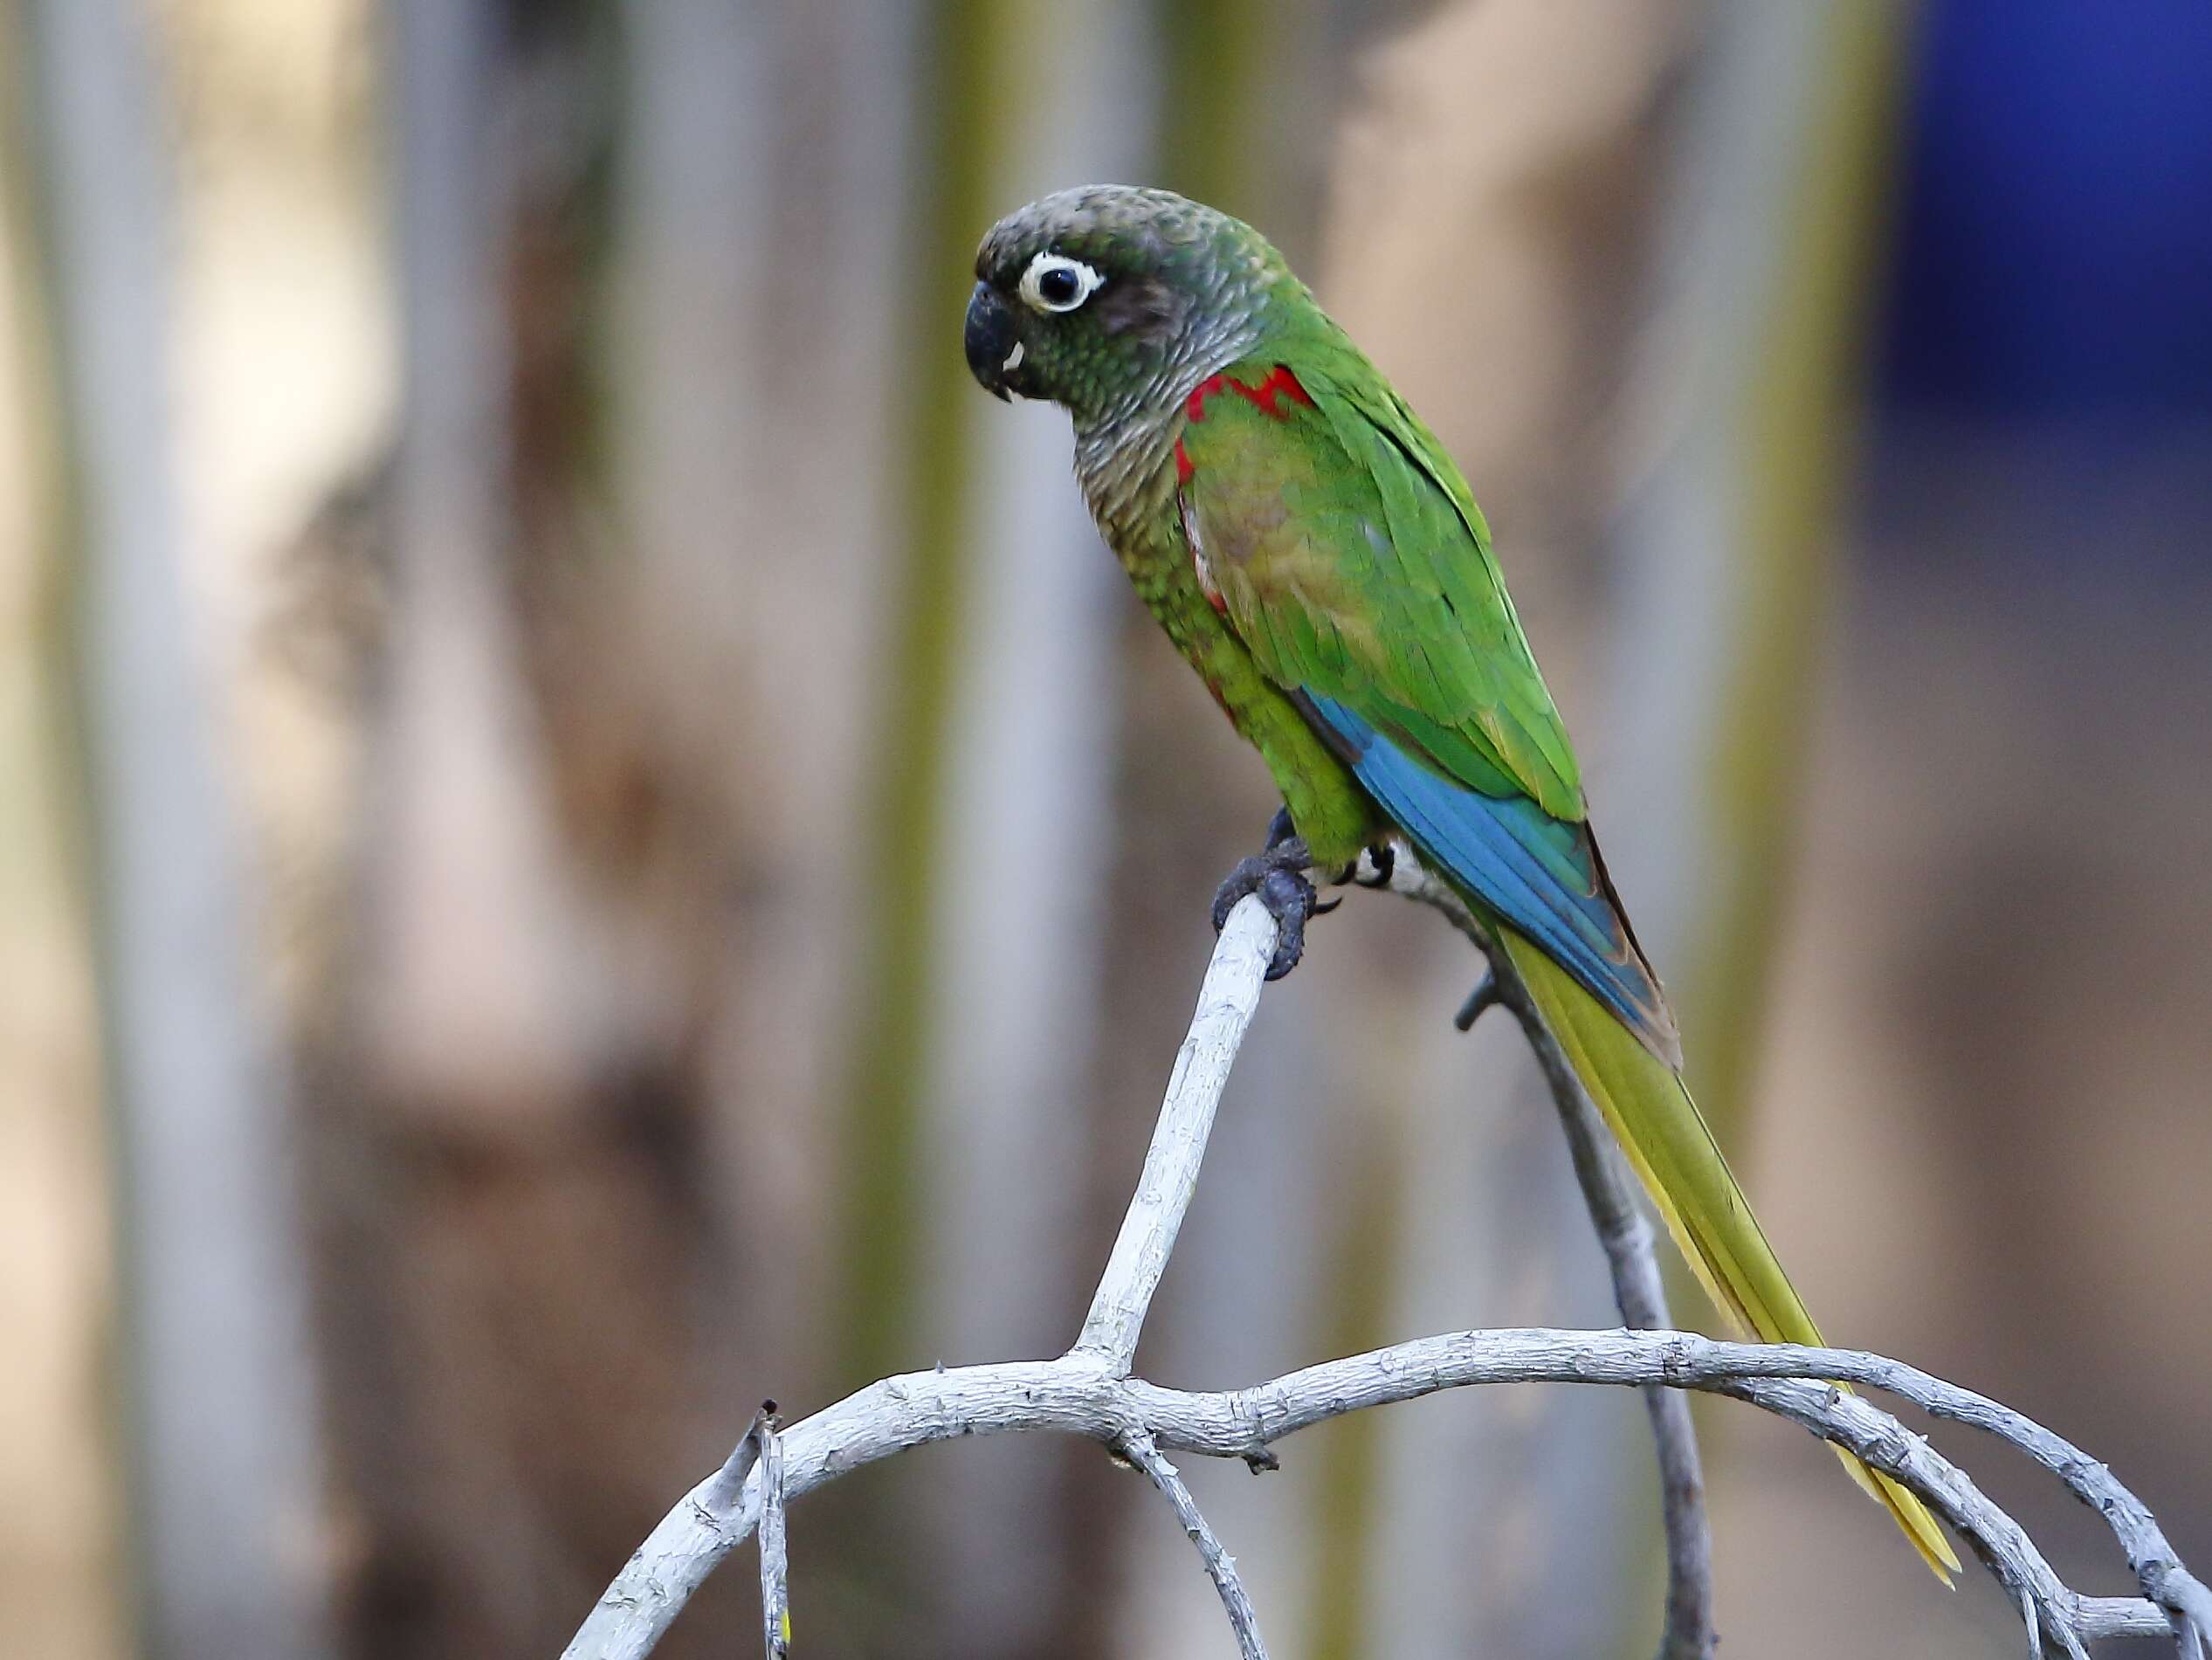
{"x": 1143, "y": 308}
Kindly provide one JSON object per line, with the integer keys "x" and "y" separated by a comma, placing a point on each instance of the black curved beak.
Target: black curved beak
{"x": 991, "y": 341}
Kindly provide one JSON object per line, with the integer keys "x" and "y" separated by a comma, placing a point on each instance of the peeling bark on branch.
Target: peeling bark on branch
{"x": 1088, "y": 1392}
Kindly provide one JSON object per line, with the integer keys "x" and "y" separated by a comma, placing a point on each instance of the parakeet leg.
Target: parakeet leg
{"x": 1277, "y": 876}
{"x": 1281, "y": 829}
{"x": 1373, "y": 868}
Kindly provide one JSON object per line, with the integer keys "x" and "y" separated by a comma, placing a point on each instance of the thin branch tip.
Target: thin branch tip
{"x": 1144, "y": 1452}
{"x": 775, "y": 1577}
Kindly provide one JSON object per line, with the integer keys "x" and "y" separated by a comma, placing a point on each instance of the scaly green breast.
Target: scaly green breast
{"x": 1330, "y": 809}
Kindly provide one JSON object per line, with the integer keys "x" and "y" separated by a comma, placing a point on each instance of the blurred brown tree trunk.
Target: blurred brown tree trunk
{"x": 793, "y": 657}
{"x": 581, "y": 1177}
{"x": 513, "y": 1206}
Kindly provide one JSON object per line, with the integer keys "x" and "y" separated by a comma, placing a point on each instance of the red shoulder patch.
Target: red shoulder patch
{"x": 1195, "y": 406}
{"x": 1267, "y": 397}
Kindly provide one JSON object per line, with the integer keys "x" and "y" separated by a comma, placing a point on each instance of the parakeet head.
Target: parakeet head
{"x": 1108, "y": 298}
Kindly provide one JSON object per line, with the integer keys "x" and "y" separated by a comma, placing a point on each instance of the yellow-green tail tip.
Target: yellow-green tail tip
{"x": 1912, "y": 1515}
{"x": 1666, "y": 1140}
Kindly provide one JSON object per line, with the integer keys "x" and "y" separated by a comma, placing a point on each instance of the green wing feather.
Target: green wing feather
{"x": 1354, "y": 565}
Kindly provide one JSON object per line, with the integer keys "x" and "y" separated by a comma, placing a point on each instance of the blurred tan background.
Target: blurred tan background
{"x": 587, "y": 837}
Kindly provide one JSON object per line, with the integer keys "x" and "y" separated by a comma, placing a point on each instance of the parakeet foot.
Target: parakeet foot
{"x": 1277, "y": 876}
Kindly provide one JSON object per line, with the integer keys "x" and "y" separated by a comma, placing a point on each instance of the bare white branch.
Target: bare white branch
{"x": 1088, "y": 1392}
{"x": 775, "y": 1576}
{"x": 1074, "y": 1396}
{"x": 1142, "y": 1451}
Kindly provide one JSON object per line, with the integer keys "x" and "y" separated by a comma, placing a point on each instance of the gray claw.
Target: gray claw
{"x": 1289, "y": 898}
{"x": 1277, "y": 876}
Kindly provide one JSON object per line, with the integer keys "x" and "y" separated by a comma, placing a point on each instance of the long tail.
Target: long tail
{"x": 1666, "y": 1140}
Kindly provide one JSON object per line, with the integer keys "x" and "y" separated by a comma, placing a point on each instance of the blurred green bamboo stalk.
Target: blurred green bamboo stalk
{"x": 972, "y": 46}
{"x": 63, "y": 1572}
{"x": 1804, "y": 414}
{"x": 222, "y": 1475}
{"x": 1022, "y": 890}
{"x": 1359, "y": 1289}
{"x": 1728, "y": 542}
{"x": 1216, "y": 56}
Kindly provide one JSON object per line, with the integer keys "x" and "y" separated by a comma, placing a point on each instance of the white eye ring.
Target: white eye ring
{"x": 1056, "y": 267}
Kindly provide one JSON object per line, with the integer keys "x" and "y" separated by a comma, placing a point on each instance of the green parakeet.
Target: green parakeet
{"x": 1309, "y": 547}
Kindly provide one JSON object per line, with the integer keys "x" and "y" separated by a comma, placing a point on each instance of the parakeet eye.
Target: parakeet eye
{"x": 1054, "y": 282}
